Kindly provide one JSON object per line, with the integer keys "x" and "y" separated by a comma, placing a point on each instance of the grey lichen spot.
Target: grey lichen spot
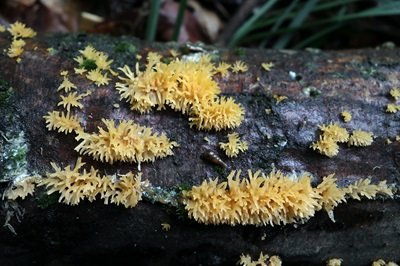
{"x": 160, "y": 195}
{"x": 13, "y": 157}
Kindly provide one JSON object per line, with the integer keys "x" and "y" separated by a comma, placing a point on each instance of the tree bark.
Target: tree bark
{"x": 320, "y": 86}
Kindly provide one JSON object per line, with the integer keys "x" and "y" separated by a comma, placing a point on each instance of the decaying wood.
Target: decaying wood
{"x": 320, "y": 86}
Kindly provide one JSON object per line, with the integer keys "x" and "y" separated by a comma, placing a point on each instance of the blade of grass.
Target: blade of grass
{"x": 262, "y": 23}
{"x": 246, "y": 27}
{"x": 296, "y": 22}
{"x": 152, "y": 20}
{"x": 179, "y": 20}
{"x": 280, "y": 20}
{"x": 372, "y": 12}
{"x": 322, "y": 32}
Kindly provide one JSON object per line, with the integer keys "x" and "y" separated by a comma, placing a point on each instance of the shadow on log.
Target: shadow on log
{"x": 320, "y": 86}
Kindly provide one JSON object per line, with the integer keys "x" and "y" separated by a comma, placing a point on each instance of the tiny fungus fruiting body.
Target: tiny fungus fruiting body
{"x": 361, "y": 138}
{"x": 267, "y": 66}
{"x": 346, "y": 116}
{"x": 334, "y": 262}
{"x": 62, "y": 122}
{"x": 21, "y": 188}
{"x": 263, "y": 260}
{"x": 234, "y": 145}
{"x": 239, "y": 66}
{"x": 18, "y": 31}
{"x": 333, "y": 134}
{"x": 392, "y": 108}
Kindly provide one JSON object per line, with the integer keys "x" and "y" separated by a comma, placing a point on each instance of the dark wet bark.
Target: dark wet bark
{"x": 324, "y": 84}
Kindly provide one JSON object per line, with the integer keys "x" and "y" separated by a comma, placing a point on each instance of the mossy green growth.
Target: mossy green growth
{"x": 239, "y": 51}
{"x": 125, "y": 47}
{"x": 13, "y": 156}
{"x": 5, "y": 93}
{"x": 88, "y": 64}
{"x": 220, "y": 171}
{"x": 44, "y": 200}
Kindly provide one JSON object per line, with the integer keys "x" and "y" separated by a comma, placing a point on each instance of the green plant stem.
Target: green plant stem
{"x": 152, "y": 20}
{"x": 247, "y": 26}
{"x": 179, "y": 20}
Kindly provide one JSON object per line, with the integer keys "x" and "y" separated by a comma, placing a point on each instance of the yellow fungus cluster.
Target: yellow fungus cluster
{"x": 267, "y": 66}
{"x": 333, "y": 134}
{"x": 18, "y": 31}
{"x": 184, "y": 86}
{"x": 234, "y": 145}
{"x": 98, "y": 75}
{"x": 364, "y": 188}
{"x": 395, "y": 93}
{"x": 327, "y": 143}
{"x": 62, "y": 122}
{"x": 126, "y": 142}
{"x": 392, "y": 108}
{"x": 346, "y": 116}
{"x": 75, "y": 185}
{"x": 361, "y": 138}
{"x": 2, "y": 28}
{"x": 381, "y": 262}
{"x": 274, "y": 199}
{"x": 239, "y": 66}
{"x": 279, "y": 98}
{"x": 72, "y": 100}
{"x": 334, "y": 262}
{"x": 263, "y": 260}
{"x": 222, "y": 68}
{"x": 21, "y": 188}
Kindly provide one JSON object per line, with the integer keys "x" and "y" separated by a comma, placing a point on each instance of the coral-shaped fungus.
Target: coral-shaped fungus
{"x": 392, "y": 108}
{"x": 16, "y": 48}
{"x": 274, "y": 199}
{"x": 234, "y": 145}
{"x": 66, "y": 84}
{"x": 218, "y": 115}
{"x": 334, "y": 262}
{"x": 258, "y": 200}
{"x": 18, "y": 32}
{"x": 360, "y": 138}
{"x": 267, "y": 66}
{"x": 364, "y": 188}
{"x": 72, "y": 185}
{"x": 184, "y": 86}
{"x": 331, "y": 195}
{"x": 263, "y": 260}
{"x": 126, "y": 142}
{"x": 335, "y": 132}
{"x": 62, "y": 122}
{"x": 71, "y": 100}
{"x": 21, "y": 188}
{"x": 75, "y": 185}
{"x": 96, "y": 63}
{"x": 326, "y": 146}
{"x": 395, "y": 93}
{"x": 222, "y": 68}
{"x": 331, "y": 135}
{"x": 239, "y": 66}
{"x": 346, "y": 116}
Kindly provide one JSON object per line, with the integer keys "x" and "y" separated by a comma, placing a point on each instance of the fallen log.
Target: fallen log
{"x": 319, "y": 85}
